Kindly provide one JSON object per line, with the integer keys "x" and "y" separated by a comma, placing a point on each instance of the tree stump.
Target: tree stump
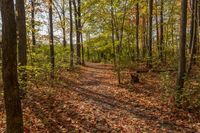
{"x": 135, "y": 78}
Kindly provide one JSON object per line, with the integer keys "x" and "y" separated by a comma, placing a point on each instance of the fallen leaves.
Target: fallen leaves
{"x": 90, "y": 100}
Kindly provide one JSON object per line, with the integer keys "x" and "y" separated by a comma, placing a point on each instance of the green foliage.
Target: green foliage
{"x": 167, "y": 86}
{"x": 190, "y": 97}
{"x": 39, "y": 66}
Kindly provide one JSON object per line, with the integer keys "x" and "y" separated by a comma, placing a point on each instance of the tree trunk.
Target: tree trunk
{"x": 182, "y": 58}
{"x": 64, "y": 24}
{"x": 52, "y": 58}
{"x": 14, "y": 118}
{"x": 83, "y": 52}
{"x": 137, "y": 30}
{"x": 64, "y": 37}
{"x": 144, "y": 37}
{"x": 33, "y": 22}
{"x": 113, "y": 34}
{"x": 71, "y": 36}
{"x": 22, "y": 43}
{"x": 77, "y": 20}
{"x": 161, "y": 31}
{"x": 149, "y": 63}
{"x": 88, "y": 53}
{"x": 79, "y": 32}
{"x": 192, "y": 24}
{"x": 193, "y": 35}
{"x": 119, "y": 47}
{"x": 157, "y": 29}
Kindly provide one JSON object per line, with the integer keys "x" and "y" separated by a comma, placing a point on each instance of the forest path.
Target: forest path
{"x": 116, "y": 109}
{"x": 90, "y": 100}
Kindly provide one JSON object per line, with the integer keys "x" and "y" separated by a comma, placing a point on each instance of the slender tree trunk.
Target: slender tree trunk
{"x": 33, "y": 22}
{"x": 51, "y": 39}
{"x": 119, "y": 47}
{"x": 77, "y": 20}
{"x": 83, "y": 52}
{"x": 150, "y": 34}
{"x": 182, "y": 58}
{"x": 88, "y": 53}
{"x": 147, "y": 32}
{"x": 79, "y": 32}
{"x": 71, "y": 36}
{"x": 22, "y": 43}
{"x": 14, "y": 118}
{"x": 173, "y": 42}
{"x": 64, "y": 24}
{"x": 192, "y": 25}
{"x": 157, "y": 29}
{"x": 161, "y": 31}
{"x": 113, "y": 34}
{"x": 144, "y": 37}
{"x": 137, "y": 30}
{"x": 64, "y": 37}
{"x": 62, "y": 19}
{"x": 1, "y": 36}
{"x": 194, "y": 36}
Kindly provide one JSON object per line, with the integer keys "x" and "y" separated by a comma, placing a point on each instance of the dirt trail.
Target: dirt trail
{"x": 91, "y": 101}
{"x": 122, "y": 110}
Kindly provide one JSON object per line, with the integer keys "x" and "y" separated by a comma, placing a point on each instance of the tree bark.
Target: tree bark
{"x": 79, "y": 32}
{"x": 157, "y": 29}
{"x": 161, "y": 30}
{"x": 64, "y": 24}
{"x": 14, "y": 118}
{"x": 144, "y": 37}
{"x": 83, "y": 51}
{"x": 193, "y": 35}
{"x": 33, "y": 22}
{"x": 137, "y": 30}
{"x": 71, "y": 36}
{"x": 149, "y": 63}
{"x": 77, "y": 20}
{"x": 192, "y": 24}
{"x": 113, "y": 34}
{"x": 22, "y": 42}
{"x": 51, "y": 39}
{"x": 182, "y": 58}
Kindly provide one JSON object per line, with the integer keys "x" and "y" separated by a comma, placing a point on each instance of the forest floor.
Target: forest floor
{"x": 90, "y": 100}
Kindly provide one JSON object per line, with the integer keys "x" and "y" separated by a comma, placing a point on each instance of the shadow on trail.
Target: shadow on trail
{"x": 96, "y": 81}
{"x": 143, "y": 88}
{"x": 55, "y": 114}
{"x": 133, "y": 107}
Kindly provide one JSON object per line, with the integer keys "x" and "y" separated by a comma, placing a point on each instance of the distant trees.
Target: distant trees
{"x": 9, "y": 69}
